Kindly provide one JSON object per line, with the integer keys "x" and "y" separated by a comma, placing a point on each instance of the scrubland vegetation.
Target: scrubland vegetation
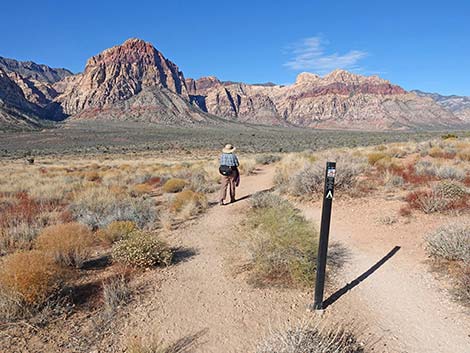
{"x": 57, "y": 215}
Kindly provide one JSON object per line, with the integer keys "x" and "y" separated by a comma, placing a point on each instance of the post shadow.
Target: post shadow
{"x": 339, "y": 293}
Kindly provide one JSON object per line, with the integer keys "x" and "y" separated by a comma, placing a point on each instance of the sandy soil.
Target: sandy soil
{"x": 401, "y": 302}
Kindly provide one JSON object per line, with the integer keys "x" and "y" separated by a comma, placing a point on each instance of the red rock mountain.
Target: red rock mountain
{"x": 134, "y": 81}
{"x": 338, "y": 100}
{"x": 120, "y": 73}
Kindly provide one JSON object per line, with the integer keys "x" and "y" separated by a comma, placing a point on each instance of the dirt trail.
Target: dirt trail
{"x": 200, "y": 297}
{"x": 401, "y": 303}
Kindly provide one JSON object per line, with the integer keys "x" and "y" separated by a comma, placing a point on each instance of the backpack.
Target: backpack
{"x": 225, "y": 170}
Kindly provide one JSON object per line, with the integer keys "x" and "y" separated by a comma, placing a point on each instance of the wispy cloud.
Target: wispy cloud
{"x": 310, "y": 54}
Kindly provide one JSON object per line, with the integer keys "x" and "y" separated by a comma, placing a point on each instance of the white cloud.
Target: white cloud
{"x": 309, "y": 54}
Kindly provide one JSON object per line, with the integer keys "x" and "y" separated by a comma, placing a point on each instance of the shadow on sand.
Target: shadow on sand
{"x": 339, "y": 293}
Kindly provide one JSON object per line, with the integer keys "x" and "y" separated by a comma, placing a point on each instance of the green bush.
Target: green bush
{"x": 142, "y": 249}
{"x": 174, "y": 185}
{"x": 282, "y": 244}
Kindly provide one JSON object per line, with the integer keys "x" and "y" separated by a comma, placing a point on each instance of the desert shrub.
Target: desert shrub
{"x": 281, "y": 243}
{"x": 142, "y": 189}
{"x": 310, "y": 339}
{"x": 247, "y": 166}
{"x": 27, "y": 280}
{"x": 449, "y": 137}
{"x": 174, "y": 185}
{"x": 438, "y": 152}
{"x": 199, "y": 181}
{"x": 98, "y": 207}
{"x": 267, "y": 199}
{"x": 464, "y": 155}
{"x": 450, "y": 242}
{"x": 374, "y": 157}
{"x": 68, "y": 243}
{"x": 393, "y": 180}
{"x": 266, "y": 159}
{"x": 187, "y": 199}
{"x": 116, "y": 293}
{"x": 142, "y": 249}
{"x": 449, "y": 172}
{"x": 116, "y": 230}
{"x": 450, "y": 190}
{"x": 428, "y": 201}
{"x": 462, "y": 285}
{"x": 311, "y": 178}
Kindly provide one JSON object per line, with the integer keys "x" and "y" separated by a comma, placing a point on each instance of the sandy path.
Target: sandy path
{"x": 200, "y": 297}
{"x": 401, "y": 301}
{"x": 400, "y": 304}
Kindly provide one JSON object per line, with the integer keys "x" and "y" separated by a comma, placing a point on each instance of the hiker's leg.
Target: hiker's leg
{"x": 223, "y": 188}
{"x": 232, "y": 188}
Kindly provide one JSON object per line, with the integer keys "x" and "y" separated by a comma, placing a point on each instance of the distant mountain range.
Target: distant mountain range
{"x": 134, "y": 81}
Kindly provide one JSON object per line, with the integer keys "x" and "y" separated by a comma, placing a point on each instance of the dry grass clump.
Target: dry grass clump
{"x": 27, "y": 280}
{"x": 310, "y": 179}
{"x": 98, "y": 207}
{"x": 68, "y": 243}
{"x": 266, "y": 159}
{"x": 464, "y": 155}
{"x": 116, "y": 293}
{"x": 142, "y": 249}
{"x": 281, "y": 243}
{"x": 450, "y": 242}
{"x": 116, "y": 231}
{"x": 310, "y": 339}
{"x": 374, "y": 157}
{"x": 247, "y": 166}
{"x": 189, "y": 201}
{"x": 174, "y": 185}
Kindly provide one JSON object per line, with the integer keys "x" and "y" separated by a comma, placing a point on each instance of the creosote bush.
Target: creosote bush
{"x": 174, "y": 185}
{"x": 282, "y": 244}
{"x": 450, "y": 242}
{"x": 28, "y": 279}
{"x": 142, "y": 249}
{"x": 68, "y": 243}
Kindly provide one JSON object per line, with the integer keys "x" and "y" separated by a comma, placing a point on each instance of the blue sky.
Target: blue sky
{"x": 414, "y": 43}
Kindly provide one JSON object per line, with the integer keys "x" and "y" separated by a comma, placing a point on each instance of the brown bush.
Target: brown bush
{"x": 188, "y": 197}
{"x": 464, "y": 155}
{"x": 116, "y": 231}
{"x": 68, "y": 243}
{"x": 32, "y": 276}
{"x": 374, "y": 157}
{"x": 174, "y": 185}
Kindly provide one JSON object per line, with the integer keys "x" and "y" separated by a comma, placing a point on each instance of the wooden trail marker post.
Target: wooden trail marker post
{"x": 324, "y": 234}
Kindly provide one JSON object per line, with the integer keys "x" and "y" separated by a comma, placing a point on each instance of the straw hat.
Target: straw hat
{"x": 228, "y": 149}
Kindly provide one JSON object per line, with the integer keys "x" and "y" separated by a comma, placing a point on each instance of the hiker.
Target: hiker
{"x": 229, "y": 170}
